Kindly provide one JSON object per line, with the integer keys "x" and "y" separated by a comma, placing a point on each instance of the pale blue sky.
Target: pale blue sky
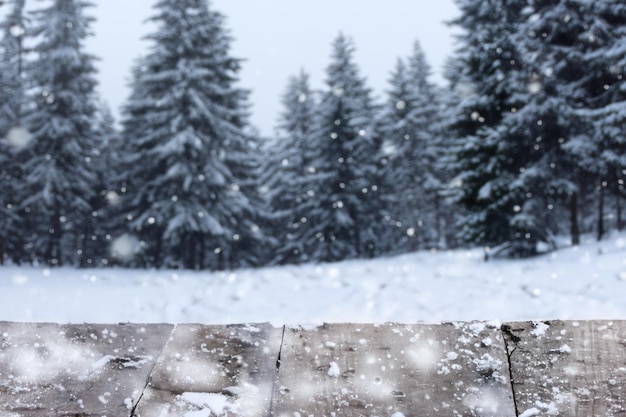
{"x": 278, "y": 37}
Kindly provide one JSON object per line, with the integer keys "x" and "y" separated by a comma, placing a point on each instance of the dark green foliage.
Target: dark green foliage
{"x": 411, "y": 154}
{"x": 345, "y": 181}
{"x": 11, "y": 107}
{"x": 59, "y": 165}
{"x": 188, "y": 168}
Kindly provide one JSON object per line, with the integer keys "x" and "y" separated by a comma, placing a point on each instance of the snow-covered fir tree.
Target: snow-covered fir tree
{"x": 610, "y": 118}
{"x": 399, "y": 231}
{"x": 600, "y": 100}
{"x": 450, "y": 96}
{"x": 483, "y": 160}
{"x": 412, "y": 150}
{"x": 288, "y": 173}
{"x": 555, "y": 137}
{"x": 344, "y": 178}
{"x": 12, "y": 135}
{"x": 100, "y": 224}
{"x": 8, "y": 217}
{"x": 58, "y": 164}
{"x": 188, "y": 157}
{"x": 548, "y": 184}
{"x": 12, "y": 31}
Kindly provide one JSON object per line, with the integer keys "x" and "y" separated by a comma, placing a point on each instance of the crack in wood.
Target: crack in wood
{"x": 507, "y": 333}
{"x": 510, "y": 331}
{"x": 280, "y": 349}
{"x": 156, "y": 360}
{"x": 586, "y": 357}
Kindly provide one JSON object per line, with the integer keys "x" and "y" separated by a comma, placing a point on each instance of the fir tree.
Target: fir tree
{"x": 289, "y": 173}
{"x": 600, "y": 100}
{"x": 344, "y": 170}
{"x": 13, "y": 29}
{"x": 58, "y": 163}
{"x": 548, "y": 185}
{"x": 399, "y": 230}
{"x": 412, "y": 152}
{"x": 484, "y": 165}
{"x": 188, "y": 157}
{"x": 12, "y": 100}
{"x": 99, "y": 225}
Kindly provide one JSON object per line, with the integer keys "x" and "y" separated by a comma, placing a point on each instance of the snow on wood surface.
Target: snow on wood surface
{"x": 394, "y": 370}
{"x": 214, "y": 371}
{"x": 54, "y": 370}
{"x": 388, "y": 370}
{"x": 568, "y": 368}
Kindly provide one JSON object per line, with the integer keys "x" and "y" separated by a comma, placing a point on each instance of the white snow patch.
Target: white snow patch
{"x": 531, "y": 412}
{"x": 419, "y": 287}
{"x": 128, "y": 402}
{"x": 105, "y": 398}
{"x": 539, "y": 328}
{"x": 334, "y": 370}
{"x": 250, "y": 399}
{"x": 490, "y": 367}
{"x": 17, "y": 31}
{"x": 549, "y": 408}
{"x": 477, "y": 327}
{"x": 251, "y": 329}
{"x": 217, "y": 404}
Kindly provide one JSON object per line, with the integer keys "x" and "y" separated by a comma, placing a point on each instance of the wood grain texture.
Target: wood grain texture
{"x": 76, "y": 370}
{"x": 391, "y": 370}
{"x": 394, "y": 370}
{"x": 568, "y": 368}
{"x": 214, "y": 371}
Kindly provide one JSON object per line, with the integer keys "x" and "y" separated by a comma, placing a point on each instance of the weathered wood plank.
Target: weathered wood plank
{"x": 214, "y": 371}
{"x": 394, "y": 370}
{"x": 568, "y": 368}
{"x": 75, "y": 370}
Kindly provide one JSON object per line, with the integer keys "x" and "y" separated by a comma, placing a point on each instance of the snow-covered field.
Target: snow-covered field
{"x": 588, "y": 282}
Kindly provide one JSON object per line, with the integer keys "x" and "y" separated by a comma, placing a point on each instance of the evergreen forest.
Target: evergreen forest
{"x": 522, "y": 149}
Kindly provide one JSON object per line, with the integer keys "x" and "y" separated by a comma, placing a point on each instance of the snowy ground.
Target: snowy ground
{"x": 588, "y": 282}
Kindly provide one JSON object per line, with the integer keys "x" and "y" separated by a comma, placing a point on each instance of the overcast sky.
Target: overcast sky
{"x": 279, "y": 37}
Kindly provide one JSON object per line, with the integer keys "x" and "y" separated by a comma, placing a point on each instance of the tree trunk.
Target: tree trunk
{"x": 85, "y": 244}
{"x": 415, "y": 239}
{"x": 618, "y": 206}
{"x": 201, "y": 252}
{"x": 183, "y": 258}
{"x": 574, "y": 229}
{"x": 221, "y": 261}
{"x": 158, "y": 252}
{"x": 439, "y": 221}
{"x": 601, "y": 213}
{"x": 356, "y": 231}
